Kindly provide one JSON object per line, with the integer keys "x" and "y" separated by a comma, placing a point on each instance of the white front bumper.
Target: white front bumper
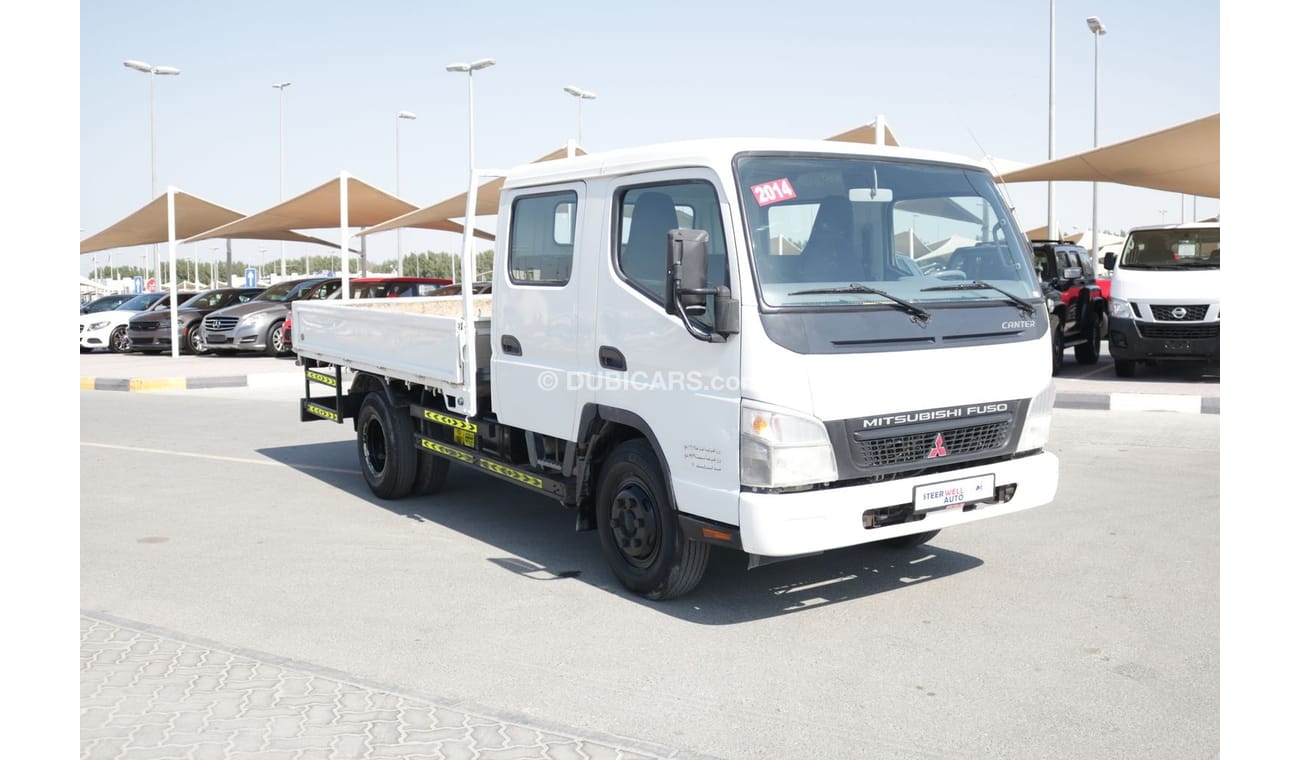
{"x": 785, "y": 524}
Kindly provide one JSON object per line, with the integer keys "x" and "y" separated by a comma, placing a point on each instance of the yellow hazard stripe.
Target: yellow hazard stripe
{"x": 322, "y": 412}
{"x": 522, "y": 477}
{"x": 447, "y": 450}
{"x": 450, "y": 421}
{"x": 322, "y": 378}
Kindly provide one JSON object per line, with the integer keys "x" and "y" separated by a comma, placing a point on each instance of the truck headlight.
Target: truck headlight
{"x": 1038, "y": 421}
{"x": 780, "y": 449}
{"x": 1121, "y": 308}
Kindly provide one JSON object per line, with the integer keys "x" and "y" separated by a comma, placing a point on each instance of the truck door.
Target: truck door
{"x": 535, "y": 311}
{"x": 686, "y": 391}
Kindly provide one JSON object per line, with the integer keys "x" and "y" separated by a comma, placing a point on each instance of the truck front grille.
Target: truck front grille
{"x": 915, "y": 447}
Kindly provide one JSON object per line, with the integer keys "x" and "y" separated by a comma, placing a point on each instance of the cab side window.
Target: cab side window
{"x": 645, "y": 215}
{"x": 541, "y": 238}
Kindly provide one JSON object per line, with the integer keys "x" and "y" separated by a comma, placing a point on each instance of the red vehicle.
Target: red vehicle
{"x": 1077, "y": 300}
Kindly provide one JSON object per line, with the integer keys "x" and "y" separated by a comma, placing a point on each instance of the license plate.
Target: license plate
{"x": 952, "y": 493}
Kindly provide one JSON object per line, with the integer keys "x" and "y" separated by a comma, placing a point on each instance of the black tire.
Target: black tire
{"x": 275, "y": 339}
{"x": 1058, "y": 349}
{"x": 1125, "y": 367}
{"x": 1089, "y": 352}
{"x": 117, "y": 341}
{"x": 385, "y": 447}
{"x": 194, "y": 342}
{"x": 430, "y": 473}
{"x": 639, "y": 534}
{"x": 910, "y": 541}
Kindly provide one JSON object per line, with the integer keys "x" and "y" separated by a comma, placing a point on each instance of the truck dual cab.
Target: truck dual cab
{"x": 712, "y": 345}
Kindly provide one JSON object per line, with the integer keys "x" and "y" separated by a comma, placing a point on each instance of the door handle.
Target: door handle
{"x": 510, "y": 346}
{"x": 612, "y": 358}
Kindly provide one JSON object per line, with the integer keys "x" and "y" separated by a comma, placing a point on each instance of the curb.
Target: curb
{"x": 187, "y": 383}
{"x": 1139, "y": 402}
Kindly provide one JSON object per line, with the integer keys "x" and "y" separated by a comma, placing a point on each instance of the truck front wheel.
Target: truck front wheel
{"x": 386, "y": 448}
{"x": 1088, "y": 353}
{"x": 638, "y": 527}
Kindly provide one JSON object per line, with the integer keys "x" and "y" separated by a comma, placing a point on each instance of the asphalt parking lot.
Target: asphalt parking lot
{"x": 258, "y": 601}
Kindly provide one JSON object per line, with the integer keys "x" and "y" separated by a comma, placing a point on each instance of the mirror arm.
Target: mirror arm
{"x": 696, "y": 332}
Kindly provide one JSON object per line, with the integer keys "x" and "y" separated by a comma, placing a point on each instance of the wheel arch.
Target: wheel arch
{"x": 600, "y": 429}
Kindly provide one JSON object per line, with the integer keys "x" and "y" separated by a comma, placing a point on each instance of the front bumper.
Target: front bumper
{"x": 1142, "y": 339}
{"x": 241, "y": 338}
{"x": 786, "y": 524}
{"x": 95, "y": 338}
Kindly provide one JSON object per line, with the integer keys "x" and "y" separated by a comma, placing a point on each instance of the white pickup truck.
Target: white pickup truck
{"x": 715, "y": 343}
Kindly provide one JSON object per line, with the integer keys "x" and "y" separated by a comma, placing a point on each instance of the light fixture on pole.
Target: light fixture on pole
{"x": 581, "y": 95}
{"x": 153, "y": 71}
{"x": 397, "y": 141}
{"x": 280, "y": 86}
{"x": 470, "y": 68}
{"x": 1098, "y": 29}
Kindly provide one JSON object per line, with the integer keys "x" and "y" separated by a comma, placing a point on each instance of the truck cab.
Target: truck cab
{"x": 1165, "y": 288}
{"x": 715, "y": 344}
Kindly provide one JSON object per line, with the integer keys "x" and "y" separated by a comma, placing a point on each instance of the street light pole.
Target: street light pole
{"x": 153, "y": 71}
{"x": 470, "y": 68}
{"x": 1051, "y": 118}
{"x": 581, "y": 95}
{"x": 1098, "y": 29}
{"x": 397, "y": 141}
{"x": 280, "y": 86}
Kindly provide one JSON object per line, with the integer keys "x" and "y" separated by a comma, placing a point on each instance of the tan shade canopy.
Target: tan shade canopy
{"x": 438, "y": 215}
{"x": 318, "y": 208}
{"x": 1180, "y": 159}
{"x": 866, "y": 134}
{"x": 193, "y": 216}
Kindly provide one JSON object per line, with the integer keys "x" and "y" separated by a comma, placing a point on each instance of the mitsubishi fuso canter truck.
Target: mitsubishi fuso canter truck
{"x": 715, "y": 343}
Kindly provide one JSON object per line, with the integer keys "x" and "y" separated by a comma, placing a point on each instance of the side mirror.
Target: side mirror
{"x": 686, "y": 290}
{"x": 1108, "y": 261}
{"x": 688, "y": 257}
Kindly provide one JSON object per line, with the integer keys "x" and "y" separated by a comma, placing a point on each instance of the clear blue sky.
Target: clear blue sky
{"x": 938, "y": 71}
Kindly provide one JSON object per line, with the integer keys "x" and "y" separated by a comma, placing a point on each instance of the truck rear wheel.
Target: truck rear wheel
{"x": 638, "y": 528}
{"x": 385, "y": 446}
{"x": 430, "y": 473}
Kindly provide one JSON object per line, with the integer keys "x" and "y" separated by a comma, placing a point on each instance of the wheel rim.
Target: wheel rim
{"x": 373, "y": 449}
{"x": 196, "y": 341}
{"x": 119, "y": 340}
{"x": 634, "y": 523}
{"x": 277, "y": 339}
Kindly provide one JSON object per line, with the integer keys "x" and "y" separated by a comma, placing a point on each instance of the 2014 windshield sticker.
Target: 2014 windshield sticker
{"x": 773, "y": 192}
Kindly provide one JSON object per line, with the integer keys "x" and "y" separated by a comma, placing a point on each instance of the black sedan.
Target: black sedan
{"x": 151, "y": 332}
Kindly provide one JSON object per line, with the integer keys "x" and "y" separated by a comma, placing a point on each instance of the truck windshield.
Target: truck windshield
{"x": 818, "y": 224}
{"x": 1172, "y": 248}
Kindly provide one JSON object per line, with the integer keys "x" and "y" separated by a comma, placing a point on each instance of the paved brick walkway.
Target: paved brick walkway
{"x": 148, "y": 695}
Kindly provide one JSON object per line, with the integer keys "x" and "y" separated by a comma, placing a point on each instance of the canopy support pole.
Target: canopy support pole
{"x": 343, "y": 230}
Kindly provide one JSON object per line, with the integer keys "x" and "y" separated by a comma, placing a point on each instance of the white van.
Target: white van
{"x": 1164, "y": 296}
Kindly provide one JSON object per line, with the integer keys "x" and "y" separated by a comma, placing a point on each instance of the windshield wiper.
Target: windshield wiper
{"x": 1025, "y": 307}
{"x": 919, "y": 315}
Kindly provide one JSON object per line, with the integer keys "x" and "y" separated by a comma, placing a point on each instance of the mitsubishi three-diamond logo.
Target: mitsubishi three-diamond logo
{"x": 938, "y": 449}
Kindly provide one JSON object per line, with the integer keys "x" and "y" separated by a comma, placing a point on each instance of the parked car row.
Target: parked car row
{"x": 227, "y": 320}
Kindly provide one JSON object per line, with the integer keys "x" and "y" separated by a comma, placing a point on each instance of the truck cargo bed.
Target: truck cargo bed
{"x": 412, "y": 339}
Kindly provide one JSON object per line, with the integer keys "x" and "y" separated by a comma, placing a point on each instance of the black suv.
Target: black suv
{"x": 1076, "y": 300}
